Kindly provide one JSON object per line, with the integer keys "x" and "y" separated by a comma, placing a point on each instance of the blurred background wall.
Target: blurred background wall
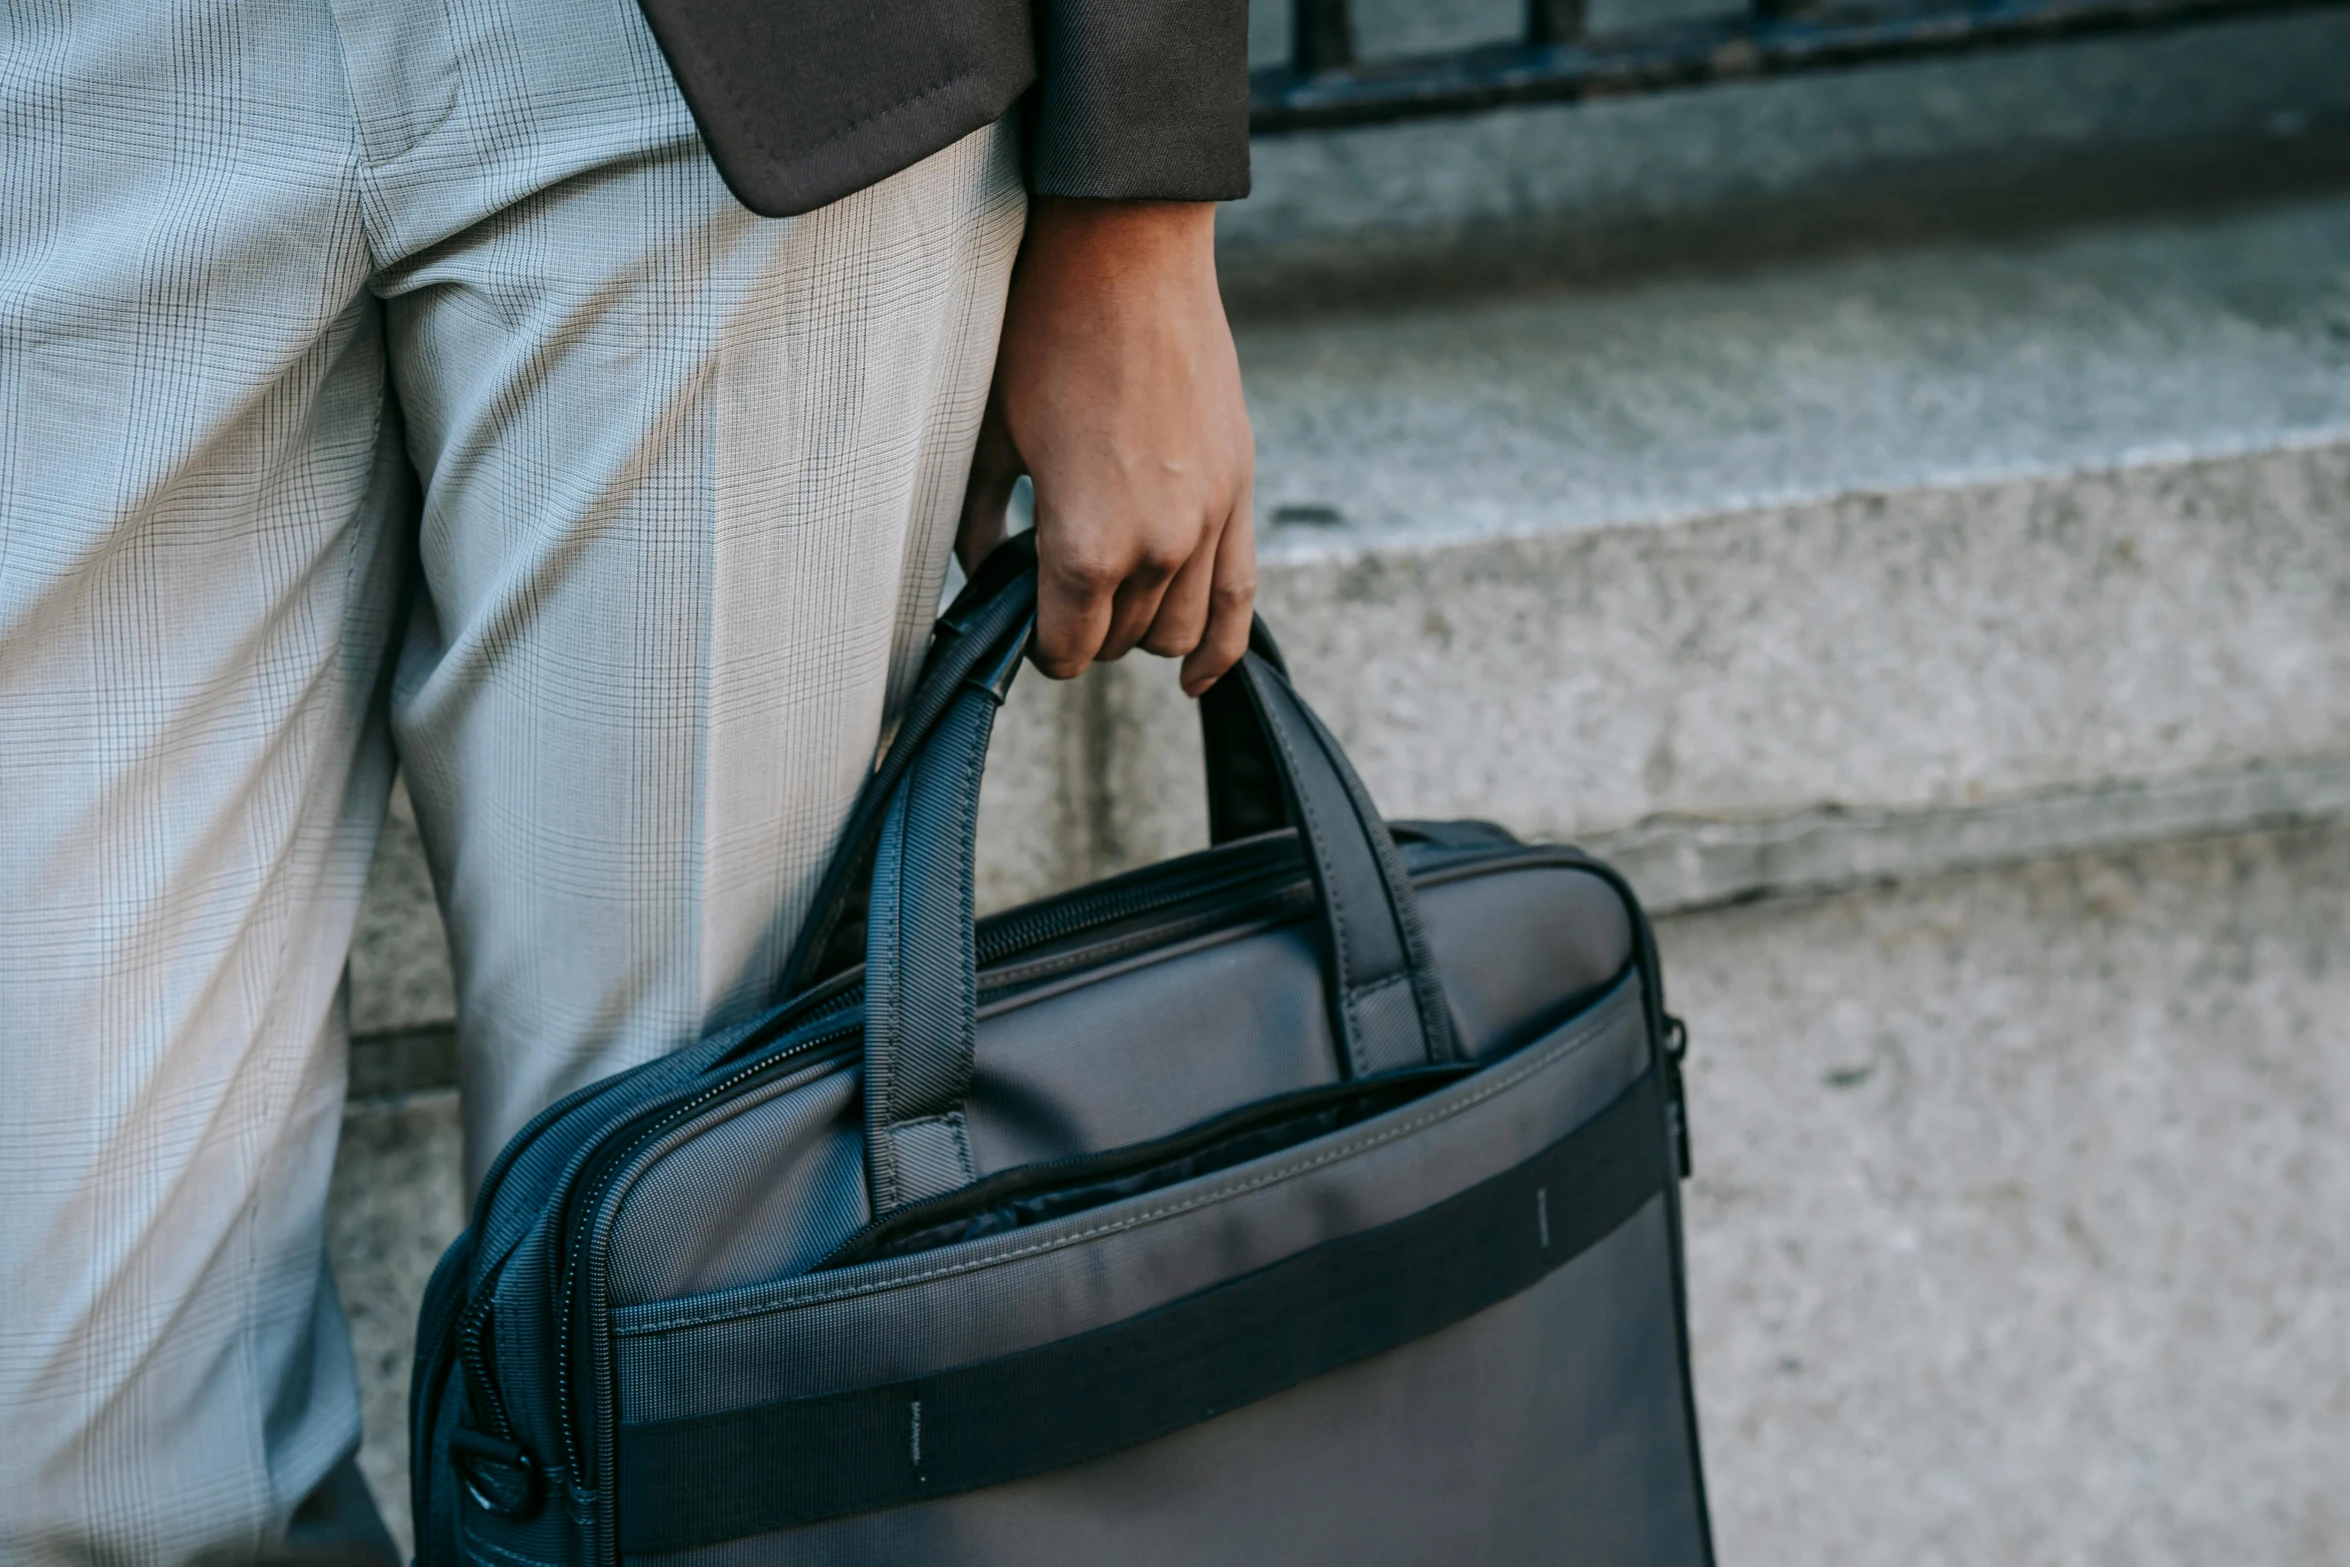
{"x": 1903, "y": 516}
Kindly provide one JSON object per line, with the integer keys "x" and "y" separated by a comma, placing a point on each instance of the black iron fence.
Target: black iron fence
{"x": 1555, "y": 58}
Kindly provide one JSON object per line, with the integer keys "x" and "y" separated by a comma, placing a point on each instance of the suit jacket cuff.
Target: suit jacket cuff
{"x": 1141, "y": 100}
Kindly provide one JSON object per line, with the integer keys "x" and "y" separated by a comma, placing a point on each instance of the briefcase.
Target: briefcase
{"x": 1309, "y": 1199}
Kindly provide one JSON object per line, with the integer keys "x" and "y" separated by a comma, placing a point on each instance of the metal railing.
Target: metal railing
{"x": 1556, "y": 59}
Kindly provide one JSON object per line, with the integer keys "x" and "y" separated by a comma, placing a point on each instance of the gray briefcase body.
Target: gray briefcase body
{"x": 1309, "y": 1199}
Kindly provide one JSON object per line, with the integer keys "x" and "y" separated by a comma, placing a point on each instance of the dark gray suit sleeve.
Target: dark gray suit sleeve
{"x": 1141, "y": 98}
{"x": 803, "y": 101}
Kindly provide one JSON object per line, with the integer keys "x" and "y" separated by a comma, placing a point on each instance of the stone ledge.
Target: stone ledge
{"x": 389, "y": 1067}
{"x": 1821, "y": 551}
{"x": 1933, "y": 652}
{"x": 1541, "y": 412}
{"x": 1679, "y": 865}
{"x": 2000, "y": 144}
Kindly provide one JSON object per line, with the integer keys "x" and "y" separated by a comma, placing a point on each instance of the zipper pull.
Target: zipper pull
{"x": 580, "y": 1502}
{"x": 1676, "y": 1100}
{"x": 501, "y": 1476}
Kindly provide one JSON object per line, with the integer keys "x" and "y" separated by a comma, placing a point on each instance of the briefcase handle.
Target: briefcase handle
{"x": 1244, "y": 788}
{"x": 1000, "y": 596}
{"x": 921, "y": 987}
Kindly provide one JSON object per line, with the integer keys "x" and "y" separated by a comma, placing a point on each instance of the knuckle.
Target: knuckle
{"x": 1171, "y": 641}
{"x": 1234, "y": 590}
{"x": 1090, "y": 576}
{"x": 1163, "y": 557}
{"x": 1059, "y": 652}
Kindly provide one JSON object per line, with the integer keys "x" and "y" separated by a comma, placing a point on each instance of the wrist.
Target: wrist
{"x": 1122, "y": 235}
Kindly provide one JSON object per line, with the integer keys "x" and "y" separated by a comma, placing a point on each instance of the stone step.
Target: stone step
{"x": 2016, "y": 1232}
{"x": 1862, "y": 567}
{"x": 2056, "y": 535}
{"x": 2001, "y": 143}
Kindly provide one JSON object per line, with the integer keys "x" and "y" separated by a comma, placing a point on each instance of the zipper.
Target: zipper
{"x": 1354, "y": 1099}
{"x": 475, "y": 1327}
{"x": 1273, "y": 870}
{"x": 582, "y": 1216}
{"x": 481, "y": 1382}
{"x": 819, "y": 1001}
{"x": 1058, "y": 919}
{"x": 428, "y": 1380}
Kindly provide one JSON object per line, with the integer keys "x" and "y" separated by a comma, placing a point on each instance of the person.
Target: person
{"x": 408, "y": 381}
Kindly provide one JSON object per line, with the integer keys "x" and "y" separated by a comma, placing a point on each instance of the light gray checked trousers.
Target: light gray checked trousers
{"x": 398, "y": 373}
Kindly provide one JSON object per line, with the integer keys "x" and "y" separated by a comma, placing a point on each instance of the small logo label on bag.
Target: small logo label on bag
{"x": 1541, "y": 1220}
{"x": 914, "y": 1435}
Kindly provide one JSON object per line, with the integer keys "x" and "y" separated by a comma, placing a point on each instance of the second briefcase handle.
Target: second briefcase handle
{"x": 1000, "y": 596}
{"x": 1387, "y": 1006}
{"x": 1245, "y": 796}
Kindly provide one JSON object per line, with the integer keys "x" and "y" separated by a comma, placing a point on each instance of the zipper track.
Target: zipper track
{"x": 474, "y": 1313}
{"x": 580, "y": 1209}
{"x": 590, "y": 1251}
{"x": 1108, "y": 1164}
{"x": 481, "y": 1381}
{"x": 1060, "y": 918}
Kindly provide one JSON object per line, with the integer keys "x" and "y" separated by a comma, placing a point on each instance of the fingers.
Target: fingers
{"x": 1093, "y": 603}
{"x": 1097, "y": 602}
{"x": 1118, "y": 379}
{"x": 1183, "y": 607}
{"x": 1103, "y": 592}
{"x": 1076, "y": 591}
{"x": 1231, "y": 602}
{"x": 1136, "y": 605}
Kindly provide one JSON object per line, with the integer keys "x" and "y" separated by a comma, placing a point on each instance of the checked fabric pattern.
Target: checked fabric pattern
{"x": 395, "y": 379}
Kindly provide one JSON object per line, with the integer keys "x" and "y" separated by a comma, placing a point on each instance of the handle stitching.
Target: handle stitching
{"x": 1356, "y": 997}
{"x": 882, "y": 1150}
{"x": 882, "y": 1063}
{"x": 1411, "y": 936}
{"x": 957, "y": 1125}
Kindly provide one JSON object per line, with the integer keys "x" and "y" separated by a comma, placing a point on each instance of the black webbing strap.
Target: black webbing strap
{"x": 695, "y": 1482}
{"x": 1244, "y": 784}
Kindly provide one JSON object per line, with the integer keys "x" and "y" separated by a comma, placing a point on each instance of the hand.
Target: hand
{"x": 1117, "y": 392}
